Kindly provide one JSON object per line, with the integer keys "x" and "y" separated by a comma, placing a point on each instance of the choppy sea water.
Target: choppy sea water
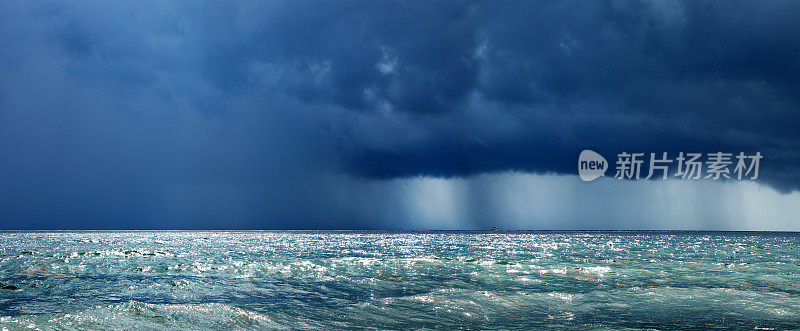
{"x": 389, "y": 280}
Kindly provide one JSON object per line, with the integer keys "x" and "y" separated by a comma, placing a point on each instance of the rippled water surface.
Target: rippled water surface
{"x": 347, "y": 280}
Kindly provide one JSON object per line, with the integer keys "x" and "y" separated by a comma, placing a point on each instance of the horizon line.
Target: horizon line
{"x": 392, "y": 230}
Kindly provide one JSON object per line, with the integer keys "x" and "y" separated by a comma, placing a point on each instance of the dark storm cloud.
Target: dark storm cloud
{"x": 653, "y": 76}
{"x": 661, "y": 76}
{"x": 416, "y": 56}
{"x": 197, "y": 111}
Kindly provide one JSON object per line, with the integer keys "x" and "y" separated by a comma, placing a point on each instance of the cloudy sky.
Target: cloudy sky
{"x": 392, "y": 115}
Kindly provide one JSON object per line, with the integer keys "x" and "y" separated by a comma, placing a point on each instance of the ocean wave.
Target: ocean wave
{"x": 341, "y": 280}
{"x": 138, "y": 315}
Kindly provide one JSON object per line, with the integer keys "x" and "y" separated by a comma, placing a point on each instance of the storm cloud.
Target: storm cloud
{"x": 282, "y": 114}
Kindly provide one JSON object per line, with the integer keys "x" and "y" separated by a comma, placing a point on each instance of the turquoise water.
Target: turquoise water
{"x": 345, "y": 280}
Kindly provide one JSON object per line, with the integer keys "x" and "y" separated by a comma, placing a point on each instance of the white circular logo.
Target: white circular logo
{"x": 591, "y": 165}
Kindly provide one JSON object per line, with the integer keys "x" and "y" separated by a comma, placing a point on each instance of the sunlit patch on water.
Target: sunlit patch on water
{"x": 113, "y": 280}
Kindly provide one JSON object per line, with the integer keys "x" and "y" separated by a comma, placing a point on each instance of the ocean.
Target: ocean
{"x": 398, "y": 280}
